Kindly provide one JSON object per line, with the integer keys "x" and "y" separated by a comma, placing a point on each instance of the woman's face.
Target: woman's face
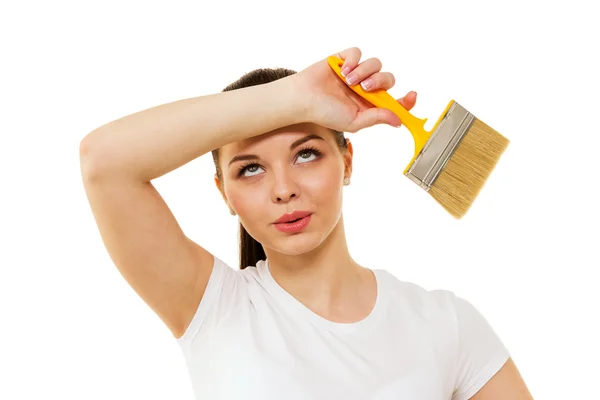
{"x": 287, "y": 174}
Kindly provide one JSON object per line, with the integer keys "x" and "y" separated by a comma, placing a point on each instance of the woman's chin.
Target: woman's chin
{"x": 294, "y": 245}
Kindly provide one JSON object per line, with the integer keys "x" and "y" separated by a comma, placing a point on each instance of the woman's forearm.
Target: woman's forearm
{"x": 150, "y": 143}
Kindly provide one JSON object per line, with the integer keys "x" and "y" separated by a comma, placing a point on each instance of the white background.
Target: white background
{"x": 526, "y": 255}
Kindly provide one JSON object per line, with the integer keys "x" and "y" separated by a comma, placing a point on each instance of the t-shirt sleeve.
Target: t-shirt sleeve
{"x": 217, "y": 299}
{"x": 480, "y": 352}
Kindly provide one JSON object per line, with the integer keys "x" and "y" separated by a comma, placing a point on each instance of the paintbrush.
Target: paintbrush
{"x": 451, "y": 162}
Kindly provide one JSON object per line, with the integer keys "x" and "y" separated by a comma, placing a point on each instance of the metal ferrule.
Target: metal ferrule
{"x": 440, "y": 146}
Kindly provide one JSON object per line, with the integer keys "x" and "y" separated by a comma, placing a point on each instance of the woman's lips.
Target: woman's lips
{"x": 295, "y": 226}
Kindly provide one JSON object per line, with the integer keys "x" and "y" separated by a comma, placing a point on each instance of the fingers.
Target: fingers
{"x": 351, "y": 59}
{"x": 378, "y": 81}
{"x": 367, "y": 73}
{"x": 363, "y": 71}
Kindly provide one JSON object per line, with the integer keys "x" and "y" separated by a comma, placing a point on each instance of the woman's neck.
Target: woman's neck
{"x": 326, "y": 280}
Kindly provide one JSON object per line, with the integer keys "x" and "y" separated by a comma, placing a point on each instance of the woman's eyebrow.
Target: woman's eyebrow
{"x": 305, "y": 139}
{"x": 243, "y": 157}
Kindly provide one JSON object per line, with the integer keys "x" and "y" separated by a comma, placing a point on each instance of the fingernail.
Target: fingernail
{"x": 367, "y": 84}
{"x": 351, "y": 79}
{"x": 345, "y": 71}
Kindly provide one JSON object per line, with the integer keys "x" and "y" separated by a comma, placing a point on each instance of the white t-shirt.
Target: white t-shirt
{"x": 250, "y": 339}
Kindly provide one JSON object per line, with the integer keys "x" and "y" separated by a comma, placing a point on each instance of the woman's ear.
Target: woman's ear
{"x": 348, "y": 155}
{"x": 219, "y": 185}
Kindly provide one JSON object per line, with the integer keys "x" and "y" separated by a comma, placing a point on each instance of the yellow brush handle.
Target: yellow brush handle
{"x": 381, "y": 98}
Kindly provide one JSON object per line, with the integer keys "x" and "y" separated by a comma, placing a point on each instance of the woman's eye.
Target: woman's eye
{"x": 250, "y": 168}
{"x": 305, "y": 155}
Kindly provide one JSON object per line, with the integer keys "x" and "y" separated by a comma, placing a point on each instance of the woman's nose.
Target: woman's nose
{"x": 284, "y": 188}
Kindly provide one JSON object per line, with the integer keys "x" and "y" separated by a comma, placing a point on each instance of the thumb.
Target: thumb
{"x": 409, "y": 100}
{"x": 373, "y": 116}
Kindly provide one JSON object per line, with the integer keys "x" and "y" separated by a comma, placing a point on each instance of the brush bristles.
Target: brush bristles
{"x": 467, "y": 170}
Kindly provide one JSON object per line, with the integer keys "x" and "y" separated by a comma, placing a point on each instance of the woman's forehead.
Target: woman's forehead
{"x": 283, "y": 136}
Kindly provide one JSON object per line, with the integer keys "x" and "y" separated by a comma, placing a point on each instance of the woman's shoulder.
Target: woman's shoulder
{"x": 415, "y": 294}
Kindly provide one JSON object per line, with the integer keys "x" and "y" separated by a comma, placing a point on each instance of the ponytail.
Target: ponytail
{"x": 251, "y": 251}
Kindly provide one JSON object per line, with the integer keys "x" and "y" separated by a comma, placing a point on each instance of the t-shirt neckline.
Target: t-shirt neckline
{"x": 294, "y": 304}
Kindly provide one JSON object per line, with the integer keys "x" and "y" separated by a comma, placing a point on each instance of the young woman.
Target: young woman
{"x": 304, "y": 321}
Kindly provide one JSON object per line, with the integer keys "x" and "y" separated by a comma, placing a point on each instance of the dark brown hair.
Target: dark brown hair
{"x": 251, "y": 251}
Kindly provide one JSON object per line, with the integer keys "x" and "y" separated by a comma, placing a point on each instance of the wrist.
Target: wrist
{"x": 291, "y": 96}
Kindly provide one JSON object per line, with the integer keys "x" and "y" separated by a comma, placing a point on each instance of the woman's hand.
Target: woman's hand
{"x": 334, "y": 105}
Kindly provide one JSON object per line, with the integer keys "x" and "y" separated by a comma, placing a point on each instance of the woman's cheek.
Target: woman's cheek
{"x": 249, "y": 202}
{"x": 323, "y": 180}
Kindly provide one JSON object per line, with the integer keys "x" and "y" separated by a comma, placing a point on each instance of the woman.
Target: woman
{"x": 306, "y": 321}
